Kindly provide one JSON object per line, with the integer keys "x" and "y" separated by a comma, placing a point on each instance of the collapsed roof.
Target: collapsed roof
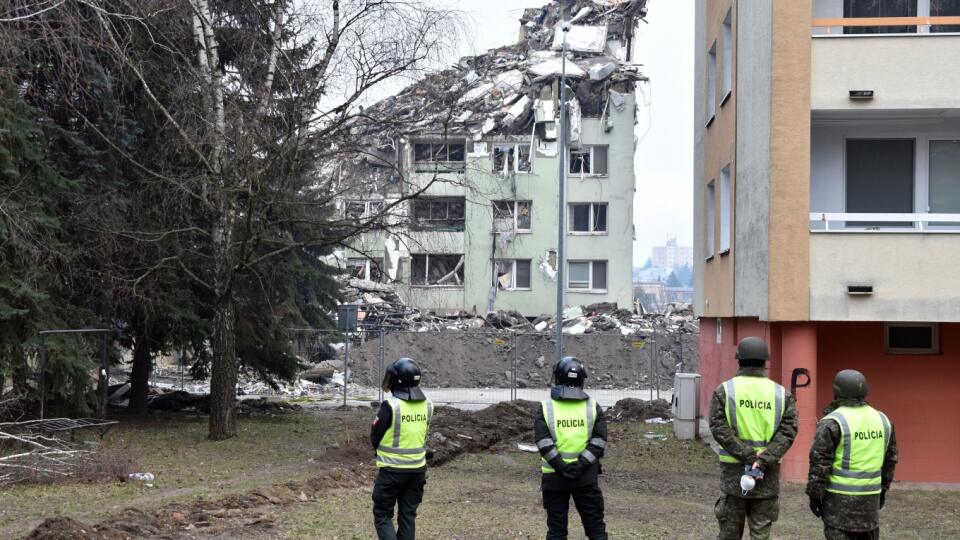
{"x": 508, "y": 89}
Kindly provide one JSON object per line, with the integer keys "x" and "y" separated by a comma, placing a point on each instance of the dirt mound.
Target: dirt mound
{"x": 64, "y": 528}
{"x": 638, "y": 409}
{"x": 454, "y": 431}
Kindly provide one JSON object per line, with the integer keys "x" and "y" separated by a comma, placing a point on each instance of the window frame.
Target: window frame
{"x": 513, "y": 275}
{"x": 711, "y": 110}
{"x": 710, "y": 202}
{"x": 427, "y": 284}
{"x": 933, "y": 350}
{"x": 590, "y": 219}
{"x": 367, "y": 205}
{"x": 369, "y": 266}
{"x": 515, "y": 212}
{"x": 516, "y": 160}
{"x": 590, "y": 289}
{"x": 726, "y": 210}
{"x": 593, "y": 161}
{"x": 727, "y": 57}
{"x": 432, "y": 164}
{"x": 418, "y": 223}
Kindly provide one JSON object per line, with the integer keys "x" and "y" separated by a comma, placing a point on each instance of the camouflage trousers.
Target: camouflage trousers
{"x": 759, "y": 514}
{"x": 832, "y": 533}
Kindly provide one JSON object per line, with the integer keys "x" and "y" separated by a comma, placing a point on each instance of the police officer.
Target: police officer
{"x": 571, "y": 435}
{"x": 852, "y": 460}
{"x": 755, "y": 422}
{"x": 399, "y": 436}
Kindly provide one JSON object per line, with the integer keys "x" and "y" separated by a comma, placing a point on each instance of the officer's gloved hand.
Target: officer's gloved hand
{"x": 816, "y": 506}
{"x": 883, "y": 498}
{"x": 572, "y": 471}
{"x": 429, "y": 454}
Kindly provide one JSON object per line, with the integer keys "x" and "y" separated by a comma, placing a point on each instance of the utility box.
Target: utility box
{"x": 347, "y": 317}
{"x": 686, "y": 405}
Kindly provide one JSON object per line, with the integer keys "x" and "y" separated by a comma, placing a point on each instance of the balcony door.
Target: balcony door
{"x": 880, "y": 178}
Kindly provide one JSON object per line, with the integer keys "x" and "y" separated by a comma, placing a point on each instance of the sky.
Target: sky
{"x": 663, "y": 206}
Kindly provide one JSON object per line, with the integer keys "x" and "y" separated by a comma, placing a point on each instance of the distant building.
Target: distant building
{"x": 672, "y": 255}
{"x": 655, "y": 296}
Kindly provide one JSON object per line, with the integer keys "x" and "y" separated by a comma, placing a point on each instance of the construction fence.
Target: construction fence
{"x": 476, "y": 369}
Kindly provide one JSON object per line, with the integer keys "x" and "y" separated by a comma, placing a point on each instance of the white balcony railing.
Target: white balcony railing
{"x": 884, "y": 223}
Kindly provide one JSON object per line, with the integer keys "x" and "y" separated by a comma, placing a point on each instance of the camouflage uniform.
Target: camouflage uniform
{"x": 846, "y": 517}
{"x": 760, "y": 508}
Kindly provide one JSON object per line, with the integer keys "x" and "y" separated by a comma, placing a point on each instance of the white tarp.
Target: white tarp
{"x": 581, "y": 38}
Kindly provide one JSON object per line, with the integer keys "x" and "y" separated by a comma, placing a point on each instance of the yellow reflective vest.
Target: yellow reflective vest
{"x": 403, "y": 446}
{"x": 754, "y": 408}
{"x": 858, "y": 464}
{"x": 571, "y": 425}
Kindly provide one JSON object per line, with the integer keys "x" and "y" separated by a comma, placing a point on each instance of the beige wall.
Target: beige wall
{"x": 914, "y": 277}
{"x": 790, "y": 162}
{"x": 905, "y": 72}
{"x": 720, "y": 148}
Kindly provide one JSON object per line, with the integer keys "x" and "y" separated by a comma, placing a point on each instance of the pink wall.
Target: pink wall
{"x": 918, "y": 393}
{"x": 718, "y": 362}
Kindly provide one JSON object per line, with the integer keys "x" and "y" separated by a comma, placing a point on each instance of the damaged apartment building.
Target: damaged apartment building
{"x": 463, "y": 182}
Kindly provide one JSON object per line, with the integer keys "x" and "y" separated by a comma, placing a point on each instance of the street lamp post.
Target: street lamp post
{"x": 562, "y": 203}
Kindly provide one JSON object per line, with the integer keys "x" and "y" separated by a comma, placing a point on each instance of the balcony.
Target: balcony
{"x": 857, "y": 46}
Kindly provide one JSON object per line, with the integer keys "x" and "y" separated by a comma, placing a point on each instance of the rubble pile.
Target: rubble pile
{"x": 510, "y": 89}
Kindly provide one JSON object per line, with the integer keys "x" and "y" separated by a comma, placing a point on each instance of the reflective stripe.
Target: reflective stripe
{"x": 725, "y": 453}
{"x": 551, "y": 454}
{"x": 855, "y": 474}
{"x": 886, "y": 431}
{"x": 598, "y": 442}
{"x": 588, "y": 455}
{"x": 778, "y": 414}
{"x": 545, "y": 443}
{"x": 846, "y": 436}
{"x": 395, "y": 405}
{"x": 731, "y": 406}
{"x": 855, "y": 489}
{"x": 388, "y": 460}
{"x": 591, "y": 412}
{"x": 548, "y": 405}
{"x": 394, "y": 450}
{"x": 569, "y": 455}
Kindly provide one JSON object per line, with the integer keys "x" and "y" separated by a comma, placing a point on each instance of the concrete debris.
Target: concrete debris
{"x": 496, "y": 93}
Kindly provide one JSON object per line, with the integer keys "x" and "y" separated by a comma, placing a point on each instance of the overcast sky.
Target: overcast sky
{"x": 664, "y": 162}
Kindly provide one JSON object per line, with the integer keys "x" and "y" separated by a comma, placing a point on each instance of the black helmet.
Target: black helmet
{"x": 752, "y": 352}
{"x": 850, "y": 383}
{"x": 403, "y": 379}
{"x": 568, "y": 378}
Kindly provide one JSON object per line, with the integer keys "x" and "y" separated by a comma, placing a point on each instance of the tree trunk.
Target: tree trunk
{"x": 223, "y": 376}
{"x": 140, "y": 377}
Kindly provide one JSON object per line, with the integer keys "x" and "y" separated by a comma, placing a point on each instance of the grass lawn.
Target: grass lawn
{"x": 653, "y": 489}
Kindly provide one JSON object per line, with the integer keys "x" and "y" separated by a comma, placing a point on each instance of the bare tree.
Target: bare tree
{"x": 255, "y": 103}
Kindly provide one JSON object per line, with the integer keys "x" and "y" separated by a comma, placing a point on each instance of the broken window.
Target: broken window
{"x": 588, "y": 218}
{"x": 363, "y": 268}
{"x": 512, "y": 216}
{"x": 436, "y": 270}
{"x": 511, "y": 158}
{"x": 589, "y": 160}
{"x": 439, "y": 214}
{"x": 449, "y": 153}
{"x": 587, "y": 275}
{"x": 512, "y": 274}
{"x": 361, "y": 210}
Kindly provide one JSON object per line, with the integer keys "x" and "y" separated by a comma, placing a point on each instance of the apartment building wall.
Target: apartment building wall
{"x": 479, "y": 186}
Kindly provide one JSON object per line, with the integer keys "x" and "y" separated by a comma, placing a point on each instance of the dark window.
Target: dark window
{"x": 587, "y": 217}
{"x": 879, "y": 8}
{"x": 445, "y": 214}
{"x": 428, "y": 155}
{"x": 600, "y": 275}
{"x": 599, "y": 218}
{"x": 512, "y": 216}
{"x": 580, "y": 162}
{"x": 944, "y": 8}
{"x": 912, "y": 339}
{"x": 587, "y": 275}
{"x": 880, "y": 178}
{"x": 436, "y": 270}
{"x": 512, "y": 274}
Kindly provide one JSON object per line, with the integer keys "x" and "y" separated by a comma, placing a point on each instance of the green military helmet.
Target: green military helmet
{"x": 752, "y": 351}
{"x": 850, "y": 383}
